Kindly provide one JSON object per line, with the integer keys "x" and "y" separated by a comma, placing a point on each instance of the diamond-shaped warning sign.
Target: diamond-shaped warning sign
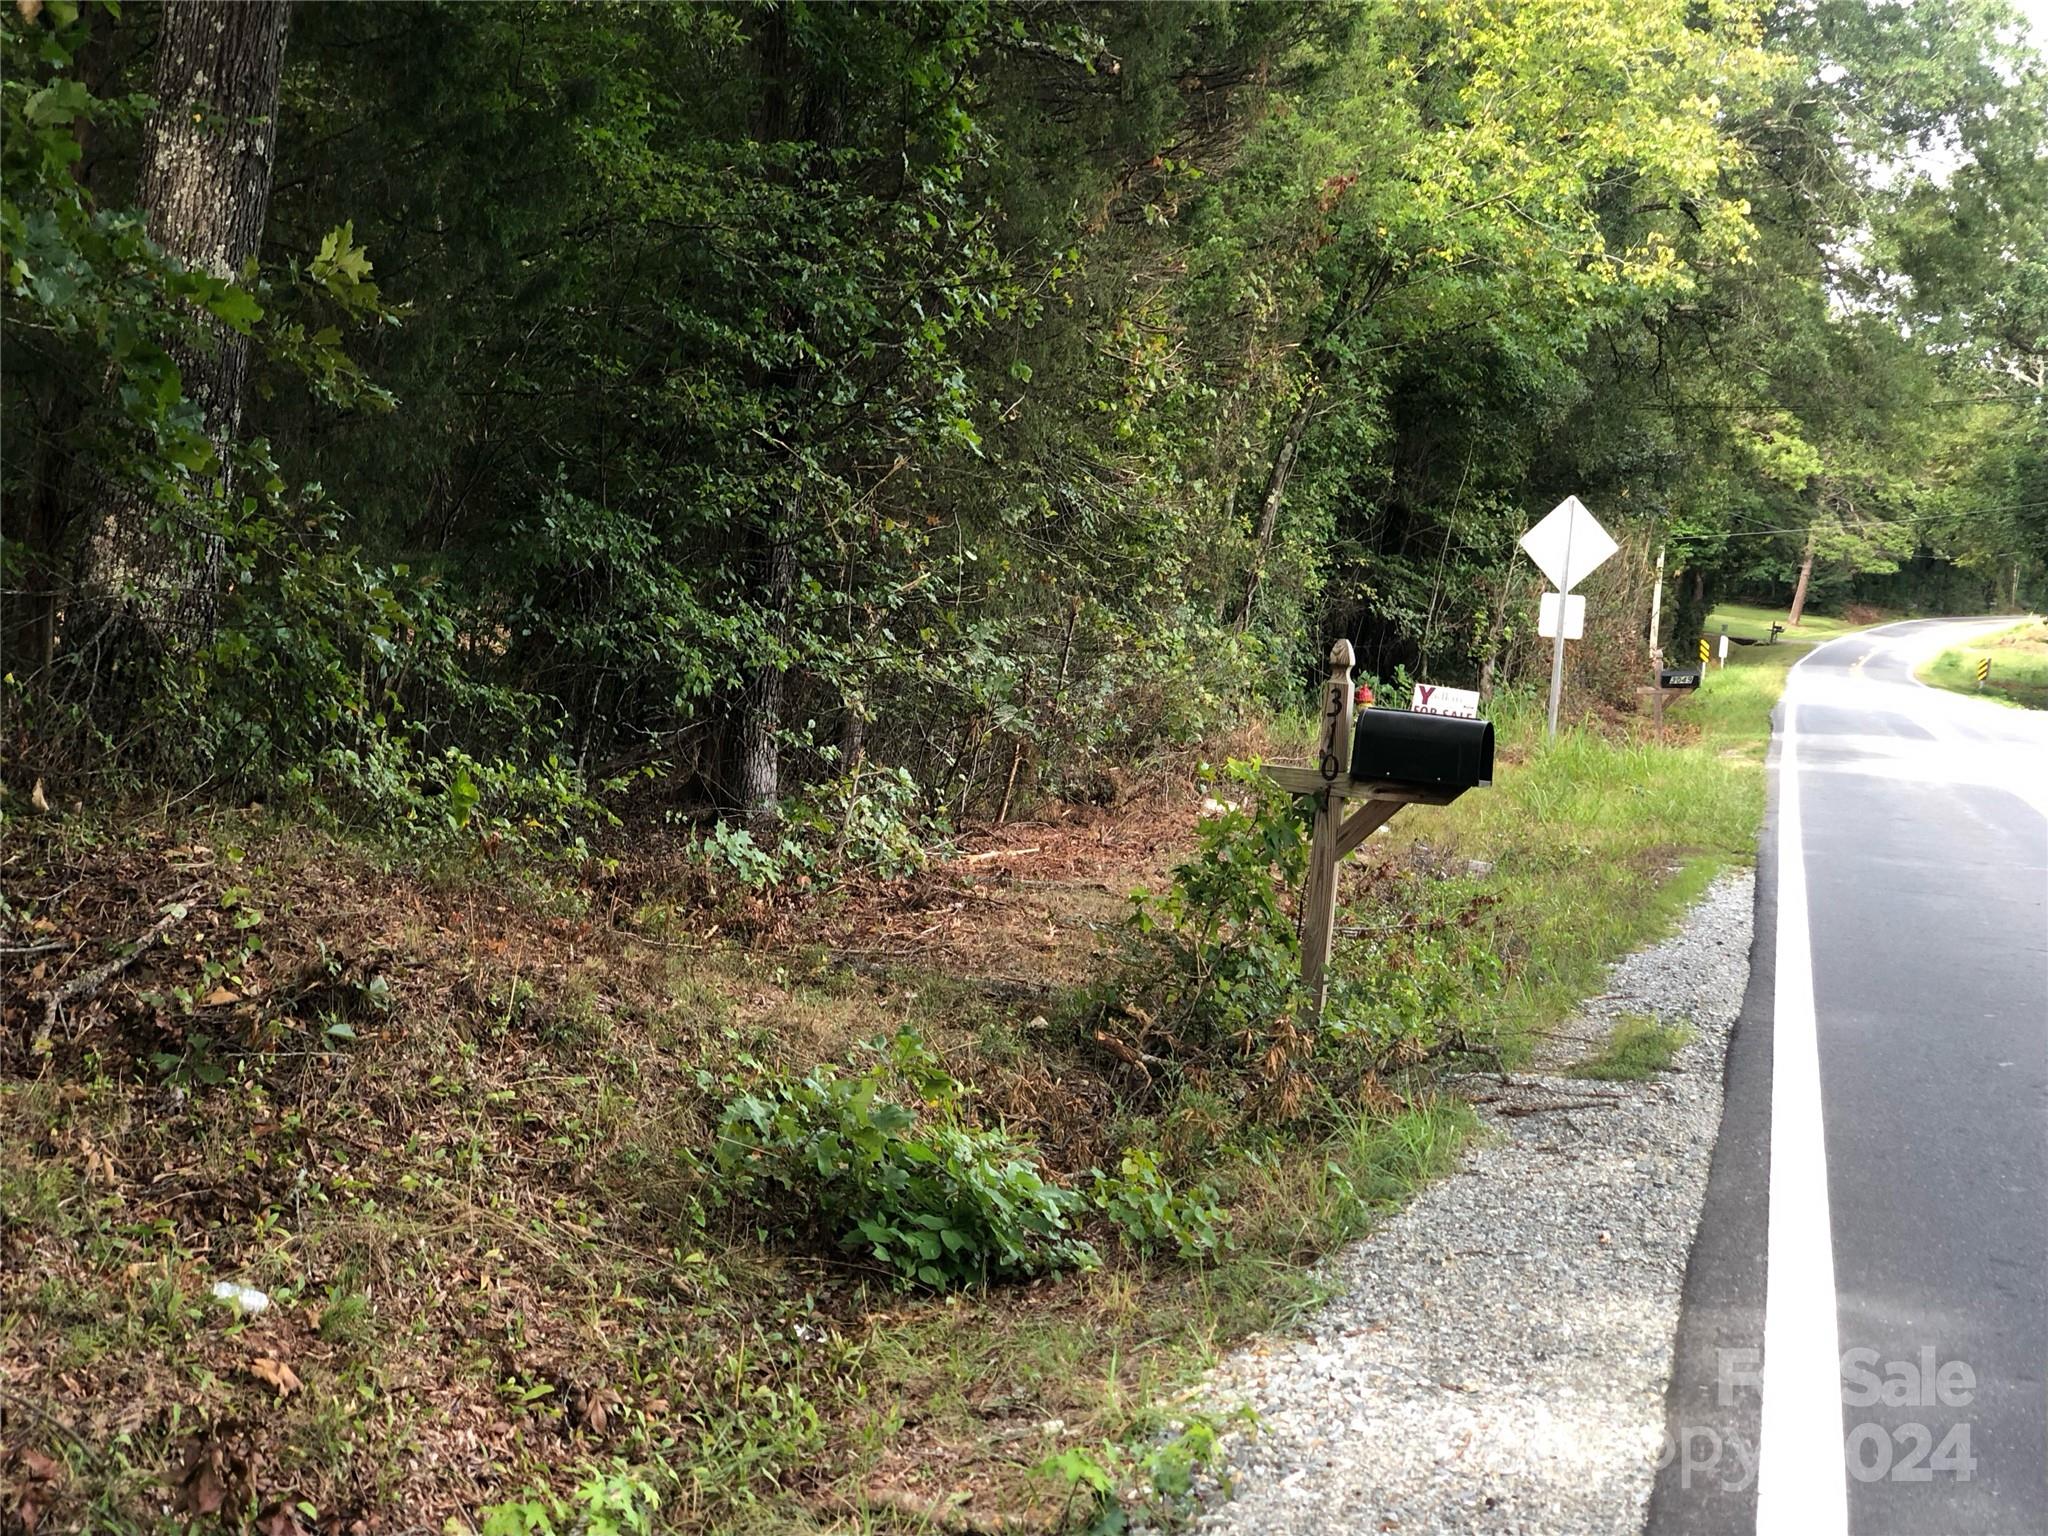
{"x": 1569, "y": 544}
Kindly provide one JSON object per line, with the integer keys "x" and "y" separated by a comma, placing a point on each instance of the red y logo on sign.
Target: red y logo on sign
{"x": 1422, "y": 696}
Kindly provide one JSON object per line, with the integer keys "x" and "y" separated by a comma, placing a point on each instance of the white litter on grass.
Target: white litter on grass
{"x": 245, "y": 1299}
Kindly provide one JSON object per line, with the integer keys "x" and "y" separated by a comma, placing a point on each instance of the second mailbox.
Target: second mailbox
{"x": 1404, "y": 747}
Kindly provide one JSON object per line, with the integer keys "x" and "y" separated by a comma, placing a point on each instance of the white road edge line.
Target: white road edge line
{"x": 1802, "y": 1477}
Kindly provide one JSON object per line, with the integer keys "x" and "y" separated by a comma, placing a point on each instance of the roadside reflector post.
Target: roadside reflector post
{"x": 1657, "y": 615}
{"x": 1983, "y": 672}
{"x": 1377, "y": 760}
{"x": 1706, "y": 653}
{"x": 1657, "y": 645}
{"x": 1724, "y": 647}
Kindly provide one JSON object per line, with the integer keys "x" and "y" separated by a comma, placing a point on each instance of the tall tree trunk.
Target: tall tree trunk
{"x": 207, "y": 157}
{"x": 1269, "y": 507}
{"x": 1489, "y": 664}
{"x": 777, "y": 119}
{"x": 761, "y": 716}
{"x": 1799, "y": 592}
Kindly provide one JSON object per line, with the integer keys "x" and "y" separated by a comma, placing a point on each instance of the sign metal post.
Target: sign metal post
{"x": 1567, "y": 546}
{"x": 1557, "y": 645}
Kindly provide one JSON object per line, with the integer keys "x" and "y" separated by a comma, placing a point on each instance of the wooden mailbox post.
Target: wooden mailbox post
{"x": 1672, "y": 683}
{"x": 1348, "y": 810}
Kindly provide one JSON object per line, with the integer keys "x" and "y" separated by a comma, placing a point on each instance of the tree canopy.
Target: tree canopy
{"x": 729, "y": 406}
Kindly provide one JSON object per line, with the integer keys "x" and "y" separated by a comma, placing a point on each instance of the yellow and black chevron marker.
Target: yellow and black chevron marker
{"x": 1705, "y": 652}
{"x": 1983, "y": 672}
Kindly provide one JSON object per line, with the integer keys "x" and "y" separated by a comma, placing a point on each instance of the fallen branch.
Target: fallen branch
{"x": 1524, "y": 1088}
{"x": 1517, "y": 1111}
{"x": 998, "y": 853}
{"x": 90, "y": 984}
{"x": 686, "y": 946}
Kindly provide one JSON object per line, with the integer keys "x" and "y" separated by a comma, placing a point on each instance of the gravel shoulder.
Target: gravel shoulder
{"x": 1494, "y": 1358}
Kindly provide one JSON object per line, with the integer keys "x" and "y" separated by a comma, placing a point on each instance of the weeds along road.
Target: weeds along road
{"x": 1876, "y": 1224}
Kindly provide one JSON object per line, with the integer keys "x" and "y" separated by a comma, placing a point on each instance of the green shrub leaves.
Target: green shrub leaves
{"x": 936, "y": 1201}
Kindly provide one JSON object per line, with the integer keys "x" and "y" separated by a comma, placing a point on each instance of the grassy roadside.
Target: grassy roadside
{"x": 456, "y": 1123}
{"x": 2019, "y": 666}
{"x": 1599, "y": 842}
{"x": 466, "y": 1159}
{"x": 1637, "y": 1048}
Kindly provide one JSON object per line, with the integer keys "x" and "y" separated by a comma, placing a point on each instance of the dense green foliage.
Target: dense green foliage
{"x": 927, "y": 1195}
{"x": 743, "y": 402}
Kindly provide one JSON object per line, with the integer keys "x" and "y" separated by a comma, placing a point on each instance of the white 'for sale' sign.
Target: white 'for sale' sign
{"x": 1432, "y": 700}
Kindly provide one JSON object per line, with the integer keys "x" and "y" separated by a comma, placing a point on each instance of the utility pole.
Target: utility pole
{"x": 1657, "y": 616}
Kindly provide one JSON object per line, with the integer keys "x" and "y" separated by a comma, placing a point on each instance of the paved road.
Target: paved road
{"x": 1876, "y": 1224}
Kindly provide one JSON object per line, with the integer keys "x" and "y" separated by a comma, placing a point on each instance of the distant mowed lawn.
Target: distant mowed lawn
{"x": 1745, "y": 622}
{"x": 2019, "y": 666}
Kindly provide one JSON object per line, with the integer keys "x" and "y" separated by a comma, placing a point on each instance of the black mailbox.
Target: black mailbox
{"x": 1678, "y": 677}
{"x": 1403, "y": 747}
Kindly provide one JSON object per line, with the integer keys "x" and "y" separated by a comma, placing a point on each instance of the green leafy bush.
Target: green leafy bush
{"x": 1232, "y": 963}
{"x": 1115, "y": 1488}
{"x": 1142, "y": 1204}
{"x": 1420, "y": 973}
{"x": 1214, "y": 978}
{"x": 858, "y": 821}
{"x": 867, "y": 820}
{"x": 938, "y": 1201}
{"x": 731, "y": 849}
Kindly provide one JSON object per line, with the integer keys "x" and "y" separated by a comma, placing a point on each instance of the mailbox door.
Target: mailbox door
{"x": 1439, "y": 751}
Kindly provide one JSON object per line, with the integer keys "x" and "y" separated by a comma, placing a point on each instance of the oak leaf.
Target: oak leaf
{"x": 276, "y": 1373}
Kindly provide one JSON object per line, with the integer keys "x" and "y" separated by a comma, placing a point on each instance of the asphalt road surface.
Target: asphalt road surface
{"x": 1875, "y": 1236}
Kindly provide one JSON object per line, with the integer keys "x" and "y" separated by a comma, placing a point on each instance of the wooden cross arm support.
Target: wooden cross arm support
{"x": 1365, "y": 821}
{"x": 1378, "y": 800}
{"x": 1377, "y": 812}
{"x": 1297, "y": 779}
